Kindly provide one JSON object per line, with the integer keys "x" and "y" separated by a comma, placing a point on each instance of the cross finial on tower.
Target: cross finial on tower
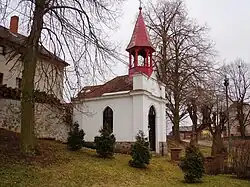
{"x": 140, "y": 5}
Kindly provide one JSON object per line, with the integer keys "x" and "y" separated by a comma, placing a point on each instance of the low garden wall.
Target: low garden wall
{"x": 125, "y": 147}
{"x": 50, "y": 120}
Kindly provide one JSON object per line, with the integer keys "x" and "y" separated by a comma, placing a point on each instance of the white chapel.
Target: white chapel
{"x": 128, "y": 103}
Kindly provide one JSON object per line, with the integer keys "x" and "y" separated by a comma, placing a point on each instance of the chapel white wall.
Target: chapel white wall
{"x": 130, "y": 112}
{"x": 160, "y": 119}
{"x": 150, "y": 84}
{"x": 90, "y": 117}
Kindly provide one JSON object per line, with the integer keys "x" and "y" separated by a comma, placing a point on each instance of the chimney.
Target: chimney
{"x": 14, "y": 24}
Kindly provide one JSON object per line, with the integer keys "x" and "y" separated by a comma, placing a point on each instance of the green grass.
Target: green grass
{"x": 83, "y": 168}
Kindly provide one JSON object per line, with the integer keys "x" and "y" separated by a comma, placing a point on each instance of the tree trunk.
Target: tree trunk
{"x": 176, "y": 114}
{"x": 217, "y": 146}
{"x": 193, "y": 141}
{"x": 27, "y": 105}
{"x": 242, "y": 131}
{"x": 241, "y": 119}
{"x": 194, "y": 128}
{"x": 176, "y": 126}
{"x": 28, "y": 143}
{"x": 192, "y": 111}
{"x": 194, "y": 138}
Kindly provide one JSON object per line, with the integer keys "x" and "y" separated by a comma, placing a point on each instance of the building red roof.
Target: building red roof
{"x": 118, "y": 84}
{"x": 140, "y": 37}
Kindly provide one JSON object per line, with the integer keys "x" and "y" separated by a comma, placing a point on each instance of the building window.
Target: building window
{"x": 108, "y": 119}
{"x": 1, "y": 78}
{"x": 2, "y": 51}
{"x": 18, "y": 82}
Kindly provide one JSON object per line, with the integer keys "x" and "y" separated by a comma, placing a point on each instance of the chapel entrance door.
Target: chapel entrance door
{"x": 151, "y": 126}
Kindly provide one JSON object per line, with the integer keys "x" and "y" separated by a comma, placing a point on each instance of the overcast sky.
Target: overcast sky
{"x": 229, "y": 21}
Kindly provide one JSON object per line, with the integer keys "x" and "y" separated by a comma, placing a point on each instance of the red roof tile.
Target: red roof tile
{"x": 140, "y": 37}
{"x": 120, "y": 83}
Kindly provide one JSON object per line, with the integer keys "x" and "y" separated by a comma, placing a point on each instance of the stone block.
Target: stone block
{"x": 49, "y": 120}
{"x": 163, "y": 148}
{"x": 175, "y": 154}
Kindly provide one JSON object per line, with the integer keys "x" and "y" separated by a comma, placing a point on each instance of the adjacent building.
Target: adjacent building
{"x": 50, "y": 68}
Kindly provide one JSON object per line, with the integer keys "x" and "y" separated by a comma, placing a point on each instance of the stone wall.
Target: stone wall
{"x": 163, "y": 148}
{"x": 50, "y": 121}
{"x": 125, "y": 147}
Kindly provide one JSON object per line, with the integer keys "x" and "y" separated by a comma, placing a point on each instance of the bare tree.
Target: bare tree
{"x": 73, "y": 30}
{"x": 238, "y": 73}
{"x": 200, "y": 95}
{"x": 183, "y": 54}
{"x": 216, "y": 122}
{"x": 211, "y": 102}
{"x": 193, "y": 114}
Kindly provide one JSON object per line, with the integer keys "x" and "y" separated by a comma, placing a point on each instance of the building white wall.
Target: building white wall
{"x": 139, "y": 122}
{"x": 149, "y": 84}
{"x": 157, "y": 89}
{"x": 90, "y": 117}
{"x": 130, "y": 112}
{"x": 160, "y": 123}
{"x": 49, "y": 76}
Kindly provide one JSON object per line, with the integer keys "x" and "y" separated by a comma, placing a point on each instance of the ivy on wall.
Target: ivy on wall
{"x": 40, "y": 97}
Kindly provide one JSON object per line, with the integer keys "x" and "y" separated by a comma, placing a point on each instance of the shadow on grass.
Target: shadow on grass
{"x": 234, "y": 176}
{"x": 92, "y": 153}
{"x": 197, "y": 182}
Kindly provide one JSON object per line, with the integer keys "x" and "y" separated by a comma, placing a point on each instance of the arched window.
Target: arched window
{"x": 108, "y": 119}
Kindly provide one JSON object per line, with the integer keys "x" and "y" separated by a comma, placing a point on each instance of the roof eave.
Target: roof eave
{"x": 129, "y": 48}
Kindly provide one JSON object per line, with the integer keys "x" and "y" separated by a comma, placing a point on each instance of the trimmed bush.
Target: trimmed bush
{"x": 140, "y": 152}
{"x": 75, "y": 138}
{"x": 241, "y": 158}
{"x": 105, "y": 144}
{"x": 192, "y": 164}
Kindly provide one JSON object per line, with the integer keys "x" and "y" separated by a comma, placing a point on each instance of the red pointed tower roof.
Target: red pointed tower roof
{"x": 140, "y": 37}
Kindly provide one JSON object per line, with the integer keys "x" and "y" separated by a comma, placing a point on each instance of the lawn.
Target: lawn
{"x": 58, "y": 167}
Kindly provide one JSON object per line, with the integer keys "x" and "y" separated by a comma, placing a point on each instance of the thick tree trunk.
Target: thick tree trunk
{"x": 241, "y": 123}
{"x": 176, "y": 115}
{"x": 242, "y": 131}
{"x": 27, "y": 105}
{"x": 193, "y": 141}
{"x": 217, "y": 146}
{"x": 194, "y": 129}
{"x": 28, "y": 143}
{"x": 194, "y": 137}
{"x": 192, "y": 111}
{"x": 177, "y": 126}
{"x": 241, "y": 119}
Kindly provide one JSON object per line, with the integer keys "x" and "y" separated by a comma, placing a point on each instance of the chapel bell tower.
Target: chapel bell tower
{"x": 140, "y": 49}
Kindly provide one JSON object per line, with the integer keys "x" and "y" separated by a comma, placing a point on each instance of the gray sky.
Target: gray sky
{"x": 229, "y": 21}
